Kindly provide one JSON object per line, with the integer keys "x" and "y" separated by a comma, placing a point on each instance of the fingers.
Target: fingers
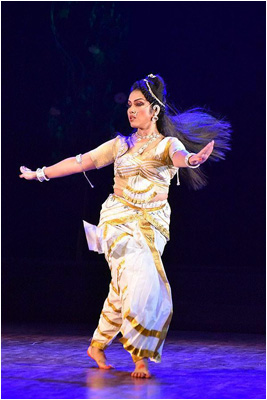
{"x": 24, "y": 169}
{"x": 26, "y": 173}
{"x": 210, "y": 147}
{"x": 204, "y": 154}
{"x": 207, "y": 149}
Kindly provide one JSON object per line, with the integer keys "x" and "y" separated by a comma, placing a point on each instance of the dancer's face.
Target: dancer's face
{"x": 139, "y": 110}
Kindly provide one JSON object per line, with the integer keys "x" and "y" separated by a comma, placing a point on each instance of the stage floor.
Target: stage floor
{"x": 50, "y": 362}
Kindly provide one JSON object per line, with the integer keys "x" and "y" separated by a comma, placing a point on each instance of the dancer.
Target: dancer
{"x": 134, "y": 221}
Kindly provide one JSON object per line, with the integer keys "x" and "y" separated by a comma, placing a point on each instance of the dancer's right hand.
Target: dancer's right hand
{"x": 27, "y": 173}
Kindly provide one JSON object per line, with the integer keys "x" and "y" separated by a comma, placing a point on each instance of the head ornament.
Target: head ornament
{"x": 150, "y": 90}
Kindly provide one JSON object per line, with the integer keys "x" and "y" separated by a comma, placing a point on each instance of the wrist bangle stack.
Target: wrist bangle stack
{"x": 40, "y": 174}
{"x": 186, "y": 160}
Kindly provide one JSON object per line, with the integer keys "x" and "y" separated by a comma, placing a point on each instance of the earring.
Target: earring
{"x": 157, "y": 111}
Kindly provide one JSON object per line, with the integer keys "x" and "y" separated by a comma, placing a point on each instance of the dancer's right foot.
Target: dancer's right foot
{"x": 99, "y": 357}
{"x": 141, "y": 369}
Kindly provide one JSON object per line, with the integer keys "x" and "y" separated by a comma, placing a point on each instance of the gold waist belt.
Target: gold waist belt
{"x": 153, "y": 206}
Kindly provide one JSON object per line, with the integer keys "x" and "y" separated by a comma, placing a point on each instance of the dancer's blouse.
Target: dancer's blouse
{"x": 140, "y": 177}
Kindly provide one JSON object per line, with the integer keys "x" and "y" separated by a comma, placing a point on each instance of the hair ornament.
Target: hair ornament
{"x": 150, "y": 91}
{"x": 151, "y": 76}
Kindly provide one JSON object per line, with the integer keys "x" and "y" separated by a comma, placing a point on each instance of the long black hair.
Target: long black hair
{"x": 195, "y": 127}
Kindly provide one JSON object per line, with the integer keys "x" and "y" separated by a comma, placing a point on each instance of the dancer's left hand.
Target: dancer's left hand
{"x": 203, "y": 155}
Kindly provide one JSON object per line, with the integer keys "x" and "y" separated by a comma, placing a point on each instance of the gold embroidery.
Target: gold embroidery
{"x": 136, "y": 201}
{"x": 135, "y": 358}
{"x": 119, "y": 270}
{"x": 139, "y": 352}
{"x": 166, "y": 221}
{"x": 105, "y": 231}
{"x": 99, "y": 345}
{"x": 134, "y": 173}
{"x": 147, "y": 164}
{"x": 148, "y": 232}
{"x": 120, "y": 265}
{"x": 114, "y": 243}
{"x": 115, "y": 290}
{"x": 139, "y": 191}
{"x": 146, "y": 215}
{"x": 164, "y": 331}
{"x": 141, "y": 329}
{"x": 109, "y": 320}
{"x": 124, "y": 289}
{"x": 113, "y": 307}
{"x": 126, "y": 313}
{"x": 166, "y": 151}
{"x": 104, "y": 334}
{"x": 149, "y": 238}
{"x": 145, "y": 176}
{"x": 120, "y": 221}
{"x": 119, "y": 277}
{"x": 164, "y": 231}
{"x": 120, "y": 199}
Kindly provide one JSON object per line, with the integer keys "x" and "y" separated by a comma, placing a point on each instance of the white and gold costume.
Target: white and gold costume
{"x": 132, "y": 233}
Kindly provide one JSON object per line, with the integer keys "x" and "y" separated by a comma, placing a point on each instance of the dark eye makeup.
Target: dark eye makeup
{"x": 139, "y": 104}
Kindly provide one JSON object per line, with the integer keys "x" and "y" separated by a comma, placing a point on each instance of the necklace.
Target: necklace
{"x": 151, "y": 138}
{"x": 140, "y": 137}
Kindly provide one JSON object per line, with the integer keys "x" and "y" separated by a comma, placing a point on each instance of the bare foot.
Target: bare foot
{"x": 141, "y": 369}
{"x": 99, "y": 357}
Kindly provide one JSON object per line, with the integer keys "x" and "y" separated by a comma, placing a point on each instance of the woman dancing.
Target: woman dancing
{"x": 134, "y": 220}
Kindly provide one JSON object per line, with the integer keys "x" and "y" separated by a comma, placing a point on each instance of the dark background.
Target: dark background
{"x": 67, "y": 68}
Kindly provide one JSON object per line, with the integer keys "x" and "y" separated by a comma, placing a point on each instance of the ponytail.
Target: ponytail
{"x": 195, "y": 128}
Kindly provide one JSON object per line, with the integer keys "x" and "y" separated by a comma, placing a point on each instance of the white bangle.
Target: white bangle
{"x": 186, "y": 160}
{"x": 79, "y": 158}
{"x": 40, "y": 174}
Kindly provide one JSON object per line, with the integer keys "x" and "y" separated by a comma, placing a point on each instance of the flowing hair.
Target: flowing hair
{"x": 195, "y": 128}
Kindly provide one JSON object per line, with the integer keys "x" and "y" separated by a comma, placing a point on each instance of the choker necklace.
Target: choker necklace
{"x": 151, "y": 138}
{"x": 140, "y": 137}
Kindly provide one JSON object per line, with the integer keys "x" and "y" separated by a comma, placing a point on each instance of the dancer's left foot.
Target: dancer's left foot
{"x": 99, "y": 357}
{"x": 141, "y": 369}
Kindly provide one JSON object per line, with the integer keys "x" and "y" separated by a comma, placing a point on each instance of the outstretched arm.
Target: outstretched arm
{"x": 65, "y": 167}
{"x": 199, "y": 158}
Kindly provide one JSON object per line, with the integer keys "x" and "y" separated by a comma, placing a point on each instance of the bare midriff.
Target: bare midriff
{"x": 158, "y": 197}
